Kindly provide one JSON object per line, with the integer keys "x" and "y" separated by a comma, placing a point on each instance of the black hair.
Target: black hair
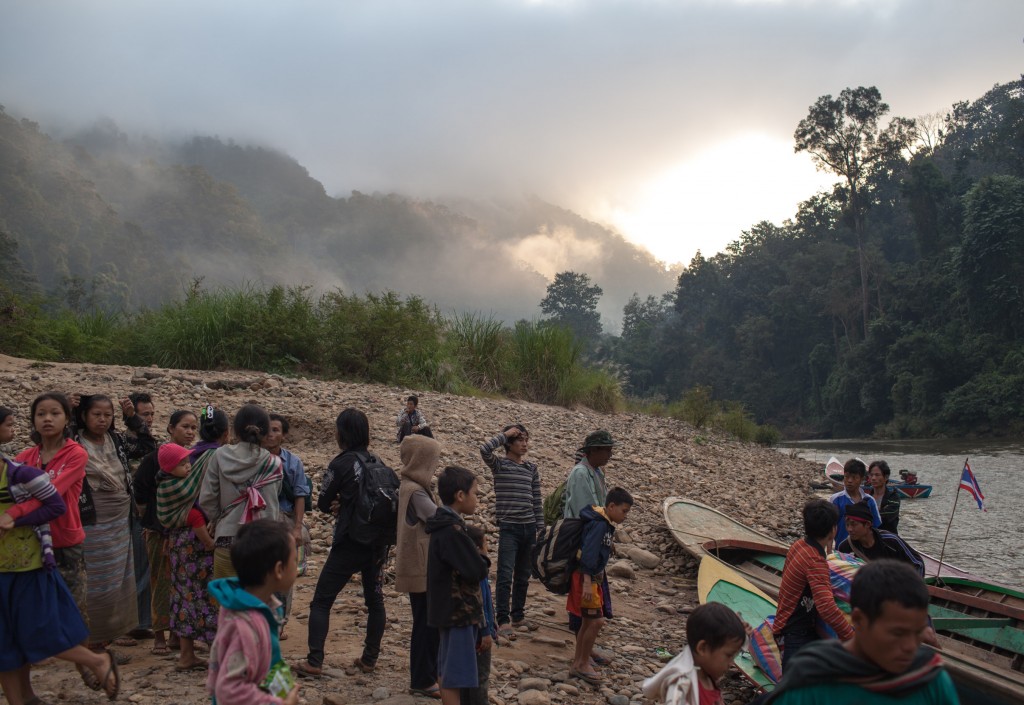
{"x": 257, "y": 549}
{"x": 88, "y": 401}
{"x": 353, "y": 429}
{"x": 414, "y": 399}
{"x": 137, "y": 398}
{"x": 475, "y": 533}
{"x": 820, "y": 517}
{"x": 5, "y": 412}
{"x": 714, "y": 624}
{"x": 522, "y": 430}
{"x": 617, "y": 495}
{"x": 213, "y": 424}
{"x": 252, "y": 424}
{"x": 855, "y": 467}
{"x": 887, "y": 580}
{"x": 34, "y": 435}
{"x": 178, "y": 415}
{"x": 881, "y": 465}
{"x": 283, "y": 421}
{"x": 453, "y": 480}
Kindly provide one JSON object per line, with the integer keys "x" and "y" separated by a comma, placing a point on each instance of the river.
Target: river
{"x": 985, "y": 543}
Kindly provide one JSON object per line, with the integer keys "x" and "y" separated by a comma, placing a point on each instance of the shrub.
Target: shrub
{"x": 478, "y": 343}
{"x": 767, "y": 435}
{"x": 735, "y": 421}
{"x": 697, "y": 407}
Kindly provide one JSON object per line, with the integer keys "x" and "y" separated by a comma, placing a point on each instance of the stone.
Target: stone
{"x": 534, "y": 697}
{"x": 621, "y": 569}
{"x": 534, "y": 684}
{"x": 381, "y": 694}
{"x": 644, "y": 559}
{"x": 618, "y": 699}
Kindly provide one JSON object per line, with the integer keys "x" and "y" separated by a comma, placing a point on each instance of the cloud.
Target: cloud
{"x": 576, "y": 102}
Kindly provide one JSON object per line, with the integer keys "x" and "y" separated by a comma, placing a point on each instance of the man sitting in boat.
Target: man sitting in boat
{"x": 806, "y": 591}
{"x": 885, "y": 661}
{"x": 853, "y": 493}
{"x": 869, "y": 544}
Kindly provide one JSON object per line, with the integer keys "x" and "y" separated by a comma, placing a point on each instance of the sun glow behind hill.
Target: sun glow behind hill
{"x": 705, "y": 201}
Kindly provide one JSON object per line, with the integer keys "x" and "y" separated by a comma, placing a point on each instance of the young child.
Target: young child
{"x": 193, "y": 615}
{"x": 586, "y": 596}
{"x": 714, "y": 636}
{"x": 455, "y": 568}
{"x": 486, "y": 638}
{"x": 246, "y": 653}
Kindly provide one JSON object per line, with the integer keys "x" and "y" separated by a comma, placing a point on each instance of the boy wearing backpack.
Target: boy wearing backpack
{"x": 519, "y": 511}
{"x": 362, "y": 536}
{"x": 586, "y": 596}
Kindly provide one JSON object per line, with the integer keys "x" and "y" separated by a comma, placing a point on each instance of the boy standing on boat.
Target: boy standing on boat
{"x": 884, "y": 661}
{"x": 854, "y": 473}
{"x": 806, "y": 592}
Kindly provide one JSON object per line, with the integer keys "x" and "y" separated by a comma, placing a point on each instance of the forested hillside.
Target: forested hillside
{"x": 893, "y": 304}
{"x": 101, "y": 218}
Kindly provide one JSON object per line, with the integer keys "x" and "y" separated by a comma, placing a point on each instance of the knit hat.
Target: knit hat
{"x": 170, "y": 456}
{"x": 860, "y": 511}
{"x": 598, "y": 439}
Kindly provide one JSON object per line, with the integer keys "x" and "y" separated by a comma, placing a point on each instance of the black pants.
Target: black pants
{"x": 406, "y": 430}
{"x": 345, "y": 560}
{"x": 422, "y": 645}
{"x": 793, "y": 641}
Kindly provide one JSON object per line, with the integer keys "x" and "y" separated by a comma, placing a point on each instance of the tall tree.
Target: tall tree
{"x": 572, "y": 301}
{"x": 843, "y": 136}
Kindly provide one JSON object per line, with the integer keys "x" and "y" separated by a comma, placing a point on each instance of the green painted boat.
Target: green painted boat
{"x": 719, "y": 582}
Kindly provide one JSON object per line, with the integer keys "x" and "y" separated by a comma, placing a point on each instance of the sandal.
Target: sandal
{"x": 506, "y": 631}
{"x": 591, "y": 678}
{"x": 302, "y": 669}
{"x": 112, "y": 691}
{"x": 125, "y": 641}
{"x": 363, "y": 666}
{"x": 160, "y": 650}
{"x": 433, "y": 691}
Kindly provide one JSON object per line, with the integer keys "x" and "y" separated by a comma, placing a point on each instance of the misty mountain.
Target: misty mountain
{"x": 132, "y": 220}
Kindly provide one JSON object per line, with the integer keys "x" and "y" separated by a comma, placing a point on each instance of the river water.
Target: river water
{"x": 986, "y": 543}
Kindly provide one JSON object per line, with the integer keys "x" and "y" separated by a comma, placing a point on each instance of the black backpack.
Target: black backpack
{"x": 375, "y": 514}
{"x": 556, "y": 556}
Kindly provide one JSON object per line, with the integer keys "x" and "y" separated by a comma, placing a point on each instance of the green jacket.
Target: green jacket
{"x": 585, "y": 487}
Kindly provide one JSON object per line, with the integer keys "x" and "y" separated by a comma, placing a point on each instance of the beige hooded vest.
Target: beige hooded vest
{"x": 419, "y": 461}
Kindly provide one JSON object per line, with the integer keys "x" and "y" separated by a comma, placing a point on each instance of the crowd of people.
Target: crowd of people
{"x": 107, "y": 536}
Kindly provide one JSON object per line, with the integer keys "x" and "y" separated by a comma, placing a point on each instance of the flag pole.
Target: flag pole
{"x": 952, "y": 514}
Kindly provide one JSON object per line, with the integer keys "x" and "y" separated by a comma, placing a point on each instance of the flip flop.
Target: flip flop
{"x": 591, "y": 678}
{"x": 112, "y": 692}
{"x": 506, "y": 630}
{"x": 199, "y": 665}
{"x": 302, "y": 669}
{"x": 160, "y": 650}
{"x": 125, "y": 641}
{"x": 432, "y": 692}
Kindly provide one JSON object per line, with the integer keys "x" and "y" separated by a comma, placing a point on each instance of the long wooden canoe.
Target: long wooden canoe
{"x": 701, "y": 529}
{"x": 718, "y": 582}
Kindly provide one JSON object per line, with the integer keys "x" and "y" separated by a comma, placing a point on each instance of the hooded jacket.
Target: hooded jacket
{"x": 229, "y": 472}
{"x": 419, "y": 461}
{"x": 66, "y": 470}
{"x": 596, "y": 543}
{"x": 245, "y": 648}
{"x": 454, "y": 571}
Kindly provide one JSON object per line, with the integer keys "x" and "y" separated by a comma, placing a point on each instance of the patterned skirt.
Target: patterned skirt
{"x": 111, "y": 601}
{"x": 193, "y": 612}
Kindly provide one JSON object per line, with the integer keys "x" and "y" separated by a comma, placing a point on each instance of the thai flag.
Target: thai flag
{"x": 970, "y": 483}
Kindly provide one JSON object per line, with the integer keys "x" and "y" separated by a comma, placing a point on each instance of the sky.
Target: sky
{"x": 671, "y": 121}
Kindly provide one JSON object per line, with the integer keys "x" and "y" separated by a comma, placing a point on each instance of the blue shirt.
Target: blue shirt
{"x": 842, "y": 500}
{"x": 294, "y": 475}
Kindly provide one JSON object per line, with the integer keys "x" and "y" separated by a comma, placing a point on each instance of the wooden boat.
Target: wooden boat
{"x": 906, "y": 491}
{"x": 718, "y": 582}
{"x": 703, "y": 530}
{"x": 834, "y": 471}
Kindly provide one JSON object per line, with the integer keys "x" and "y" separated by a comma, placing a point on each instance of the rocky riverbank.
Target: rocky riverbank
{"x": 654, "y": 584}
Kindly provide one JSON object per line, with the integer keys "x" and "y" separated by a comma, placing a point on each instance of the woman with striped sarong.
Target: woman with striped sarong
{"x": 112, "y": 604}
{"x": 241, "y": 484}
{"x": 182, "y": 430}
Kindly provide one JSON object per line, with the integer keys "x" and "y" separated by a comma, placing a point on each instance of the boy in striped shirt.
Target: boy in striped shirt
{"x": 519, "y": 513}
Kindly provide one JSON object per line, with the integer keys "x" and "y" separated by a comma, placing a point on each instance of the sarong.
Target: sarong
{"x": 111, "y": 572}
{"x": 159, "y": 579}
{"x": 193, "y": 613}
